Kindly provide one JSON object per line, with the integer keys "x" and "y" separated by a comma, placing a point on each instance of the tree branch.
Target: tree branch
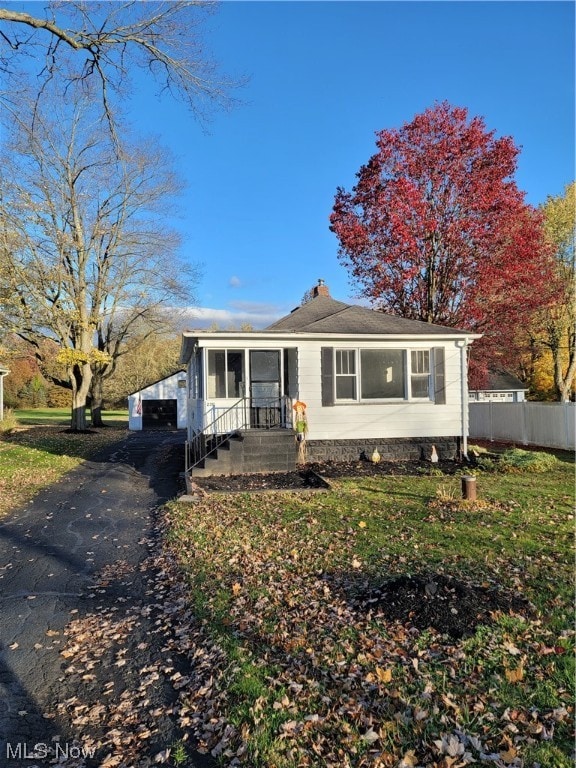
{"x": 33, "y": 21}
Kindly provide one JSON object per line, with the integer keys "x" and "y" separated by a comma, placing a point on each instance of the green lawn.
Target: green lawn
{"x": 289, "y": 671}
{"x": 57, "y": 416}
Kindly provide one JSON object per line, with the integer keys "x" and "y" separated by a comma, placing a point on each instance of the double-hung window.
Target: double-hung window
{"x": 420, "y": 373}
{"x": 368, "y": 375}
{"x": 380, "y": 374}
{"x": 346, "y": 375}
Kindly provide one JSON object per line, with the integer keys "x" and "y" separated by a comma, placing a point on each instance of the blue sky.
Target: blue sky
{"x": 323, "y": 78}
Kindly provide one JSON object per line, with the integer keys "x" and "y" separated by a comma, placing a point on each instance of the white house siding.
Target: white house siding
{"x": 402, "y": 418}
{"x": 508, "y": 396}
{"x": 194, "y": 420}
{"x": 393, "y": 419}
{"x": 167, "y": 389}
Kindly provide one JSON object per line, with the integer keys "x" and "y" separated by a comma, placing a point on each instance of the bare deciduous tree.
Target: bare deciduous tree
{"x": 86, "y": 253}
{"x": 147, "y": 360}
{"x": 104, "y": 42}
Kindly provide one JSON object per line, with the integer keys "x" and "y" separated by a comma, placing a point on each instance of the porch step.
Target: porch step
{"x": 254, "y": 450}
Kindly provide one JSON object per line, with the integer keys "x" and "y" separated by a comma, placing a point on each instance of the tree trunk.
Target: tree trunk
{"x": 563, "y": 383}
{"x": 80, "y": 378}
{"x": 97, "y": 398}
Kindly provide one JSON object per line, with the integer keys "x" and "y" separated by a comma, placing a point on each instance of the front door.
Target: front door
{"x": 265, "y": 389}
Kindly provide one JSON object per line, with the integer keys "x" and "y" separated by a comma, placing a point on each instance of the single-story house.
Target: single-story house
{"x": 361, "y": 379}
{"x": 3, "y": 372}
{"x": 161, "y": 405}
{"x": 501, "y": 387}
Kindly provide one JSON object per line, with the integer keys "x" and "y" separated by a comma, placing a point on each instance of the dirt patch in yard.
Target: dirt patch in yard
{"x": 441, "y": 602}
{"x": 448, "y": 605}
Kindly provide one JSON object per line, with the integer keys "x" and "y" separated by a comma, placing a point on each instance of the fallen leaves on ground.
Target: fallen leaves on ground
{"x": 293, "y": 662}
{"x": 263, "y": 619}
{"x": 117, "y": 663}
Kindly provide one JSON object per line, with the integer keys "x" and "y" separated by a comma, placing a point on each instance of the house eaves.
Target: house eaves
{"x": 191, "y": 339}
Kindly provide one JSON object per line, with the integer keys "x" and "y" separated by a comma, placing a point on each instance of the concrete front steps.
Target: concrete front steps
{"x": 254, "y": 450}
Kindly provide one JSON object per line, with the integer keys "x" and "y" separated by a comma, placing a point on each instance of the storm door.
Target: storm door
{"x": 265, "y": 389}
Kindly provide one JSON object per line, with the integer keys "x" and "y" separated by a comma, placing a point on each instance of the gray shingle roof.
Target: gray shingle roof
{"x": 323, "y": 314}
{"x": 503, "y": 380}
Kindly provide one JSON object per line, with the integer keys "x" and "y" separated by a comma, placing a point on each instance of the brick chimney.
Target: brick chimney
{"x": 320, "y": 290}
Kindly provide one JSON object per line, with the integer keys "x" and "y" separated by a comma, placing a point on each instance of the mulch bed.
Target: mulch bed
{"x": 313, "y": 476}
{"x": 365, "y": 468}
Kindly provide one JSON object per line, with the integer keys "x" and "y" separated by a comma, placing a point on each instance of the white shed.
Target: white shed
{"x": 161, "y": 405}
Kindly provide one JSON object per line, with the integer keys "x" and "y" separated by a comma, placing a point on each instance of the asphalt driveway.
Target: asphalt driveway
{"x": 53, "y": 553}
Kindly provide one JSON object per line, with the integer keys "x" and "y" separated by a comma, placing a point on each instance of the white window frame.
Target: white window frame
{"x": 421, "y": 375}
{"x": 337, "y": 358}
{"x": 407, "y": 371}
{"x": 225, "y": 350}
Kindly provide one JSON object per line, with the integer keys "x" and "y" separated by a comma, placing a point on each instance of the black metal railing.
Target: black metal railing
{"x": 246, "y": 413}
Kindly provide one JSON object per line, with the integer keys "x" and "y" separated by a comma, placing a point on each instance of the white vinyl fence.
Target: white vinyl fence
{"x": 550, "y": 425}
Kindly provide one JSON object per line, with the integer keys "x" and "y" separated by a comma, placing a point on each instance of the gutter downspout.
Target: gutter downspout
{"x": 463, "y": 346}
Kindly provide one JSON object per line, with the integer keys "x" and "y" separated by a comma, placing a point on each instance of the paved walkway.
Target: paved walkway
{"x": 51, "y": 552}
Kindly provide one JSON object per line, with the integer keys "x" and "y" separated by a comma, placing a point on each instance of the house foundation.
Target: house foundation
{"x": 390, "y": 449}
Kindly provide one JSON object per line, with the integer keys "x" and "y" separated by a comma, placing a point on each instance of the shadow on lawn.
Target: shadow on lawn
{"x": 422, "y": 497}
{"x": 75, "y": 536}
{"x": 60, "y": 441}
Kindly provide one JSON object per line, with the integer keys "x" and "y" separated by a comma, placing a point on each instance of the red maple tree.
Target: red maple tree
{"x": 436, "y": 229}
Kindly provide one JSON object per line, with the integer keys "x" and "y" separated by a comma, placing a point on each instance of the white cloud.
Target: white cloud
{"x": 235, "y": 282}
{"x": 257, "y": 315}
{"x": 256, "y": 308}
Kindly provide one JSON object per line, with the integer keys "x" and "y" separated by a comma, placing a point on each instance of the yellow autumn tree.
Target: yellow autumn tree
{"x": 558, "y": 334}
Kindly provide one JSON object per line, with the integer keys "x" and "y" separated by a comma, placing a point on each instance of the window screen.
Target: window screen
{"x": 225, "y": 373}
